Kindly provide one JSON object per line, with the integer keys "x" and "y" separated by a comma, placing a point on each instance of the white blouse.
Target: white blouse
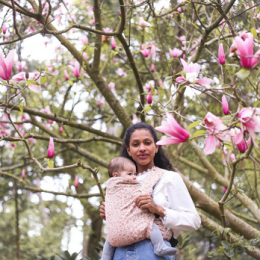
{"x": 171, "y": 193}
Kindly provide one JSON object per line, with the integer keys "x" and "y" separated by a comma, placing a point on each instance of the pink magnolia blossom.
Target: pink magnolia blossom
{"x": 32, "y": 140}
{"x": 20, "y": 65}
{"x": 90, "y": 11}
{"x": 4, "y": 28}
{"x": 113, "y": 42}
{"x": 152, "y": 51}
{"x": 182, "y": 38}
{"x": 12, "y": 145}
{"x": 135, "y": 119}
{"x": 221, "y": 54}
{"x": 111, "y": 85}
{"x": 66, "y": 75}
{"x": 32, "y": 76}
{"x": 146, "y": 52}
{"x": 233, "y": 49}
{"x": 114, "y": 59}
{"x": 76, "y": 181}
{"x": 149, "y": 98}
{"x": 232, "y": 157}
{"x": 217, "y": 129}
{"x": 160, "y": 83}
{"x": 179, "y": 9}
{"x": 23, "y": 173}
{"x": 61, "y": 129}
{"x": 84, "y": 40}
{"x": 152, "y": 124}
{"x": 149, "y": 85}
{"x": 92, "y": 21}
{"x": 75, "y": 69}
{"x": 250, "y": 120}
{"x": 210, "y": 145}
{"x": 242, "y": 146}
{"x": 215, "y": 125}
{"x": 50, "y": 152}
{"x": 143, "y": 24}
{"x": 6, "y": 65}
{"x": 174, "y": 130}
{"x": 225, "y": 105}
{"x": 152, "y": 68}
{"x": 107, "y": 30}
{"x": 245, "y": 49}
{"x": 101, "y": 102}
{"x": 4, "y": 118}
{"x": 4, "y": 132}
{"x": 121, "y": 73}
{"x": 85, "y": 56}
{"x": 175, "y": 52}
{"x": 192, "y": 72}
{"x": 47, "y": 110}
{"x": 224, "y": 189}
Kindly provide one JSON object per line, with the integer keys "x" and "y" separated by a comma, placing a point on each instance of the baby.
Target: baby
{"x": 124, "y": 168}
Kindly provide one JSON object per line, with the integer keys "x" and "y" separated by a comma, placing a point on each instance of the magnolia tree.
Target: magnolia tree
{"x": 189, "y": 68}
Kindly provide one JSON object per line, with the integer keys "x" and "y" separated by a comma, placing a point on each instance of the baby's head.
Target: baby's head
{"x": 122, "y": 167}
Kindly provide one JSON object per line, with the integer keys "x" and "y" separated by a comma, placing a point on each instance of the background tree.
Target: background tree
{"x": 109, "y": 56}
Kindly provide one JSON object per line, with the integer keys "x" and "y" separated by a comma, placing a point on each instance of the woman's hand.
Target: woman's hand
{"x": 146, "y": 202}
{"x": 102, "y": 211}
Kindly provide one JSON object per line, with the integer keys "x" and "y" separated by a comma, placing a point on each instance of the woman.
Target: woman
{"x": 170, "y": 200}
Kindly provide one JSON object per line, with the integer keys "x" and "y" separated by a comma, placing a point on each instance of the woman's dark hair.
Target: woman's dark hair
{"x": 160, "y": 159}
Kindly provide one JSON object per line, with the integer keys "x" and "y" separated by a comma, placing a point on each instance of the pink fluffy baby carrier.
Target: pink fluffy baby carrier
{"x": 126, "y": 223}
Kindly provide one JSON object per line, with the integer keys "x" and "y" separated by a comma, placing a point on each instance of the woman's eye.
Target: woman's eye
{"x": 135, "y": 144}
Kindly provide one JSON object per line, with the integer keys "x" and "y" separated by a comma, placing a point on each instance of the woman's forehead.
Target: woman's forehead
{"x": 141, "y": 134}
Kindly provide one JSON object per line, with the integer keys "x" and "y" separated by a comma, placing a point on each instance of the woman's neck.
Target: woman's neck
{"x": 143, "y": 168}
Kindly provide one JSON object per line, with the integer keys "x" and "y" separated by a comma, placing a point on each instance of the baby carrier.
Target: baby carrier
{"x": 126, "y": 223}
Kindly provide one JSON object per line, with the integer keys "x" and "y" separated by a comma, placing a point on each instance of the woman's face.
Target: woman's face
{"x": 142, "y": 148}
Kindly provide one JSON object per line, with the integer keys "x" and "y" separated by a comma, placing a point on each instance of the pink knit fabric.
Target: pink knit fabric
{"x": 126, "y": 223}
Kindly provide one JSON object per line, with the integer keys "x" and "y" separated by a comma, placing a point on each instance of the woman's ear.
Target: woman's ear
{"x": 157, "y": 148}
{"x": 128, "y": 151}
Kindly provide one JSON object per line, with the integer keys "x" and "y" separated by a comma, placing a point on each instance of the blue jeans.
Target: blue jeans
{"x": 142, "y": 250}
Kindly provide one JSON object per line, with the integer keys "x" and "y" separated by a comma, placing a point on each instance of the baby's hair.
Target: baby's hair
{"x": 117, "y": 165}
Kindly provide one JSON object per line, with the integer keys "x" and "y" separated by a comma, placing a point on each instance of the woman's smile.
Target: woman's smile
{"x": 143, "y": 156}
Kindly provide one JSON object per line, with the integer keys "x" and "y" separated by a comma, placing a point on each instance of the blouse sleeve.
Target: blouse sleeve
{"x": 182, "y": 214}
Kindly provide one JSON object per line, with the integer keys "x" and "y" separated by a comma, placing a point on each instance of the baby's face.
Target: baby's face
{"x": 128, "y": 172}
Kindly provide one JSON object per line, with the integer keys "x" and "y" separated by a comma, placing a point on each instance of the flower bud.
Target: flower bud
{"x": 26, "y": 74}
{"x": 149, "y": 98}
{"x": 66, "y": 75}
{"x": 4, "y": 28}
{"x": 76, "y": 181}
{"x": 23, "y": 173}
{"x": 179, "y": 10}
{"x": 50, "y": 152}
{"x": 61, "y": 129}
{"x": 225, "y": 105}
{"x": 113, "y": 42}
{"x": 221, "y": 54}
{"x": 152, "y": 68}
